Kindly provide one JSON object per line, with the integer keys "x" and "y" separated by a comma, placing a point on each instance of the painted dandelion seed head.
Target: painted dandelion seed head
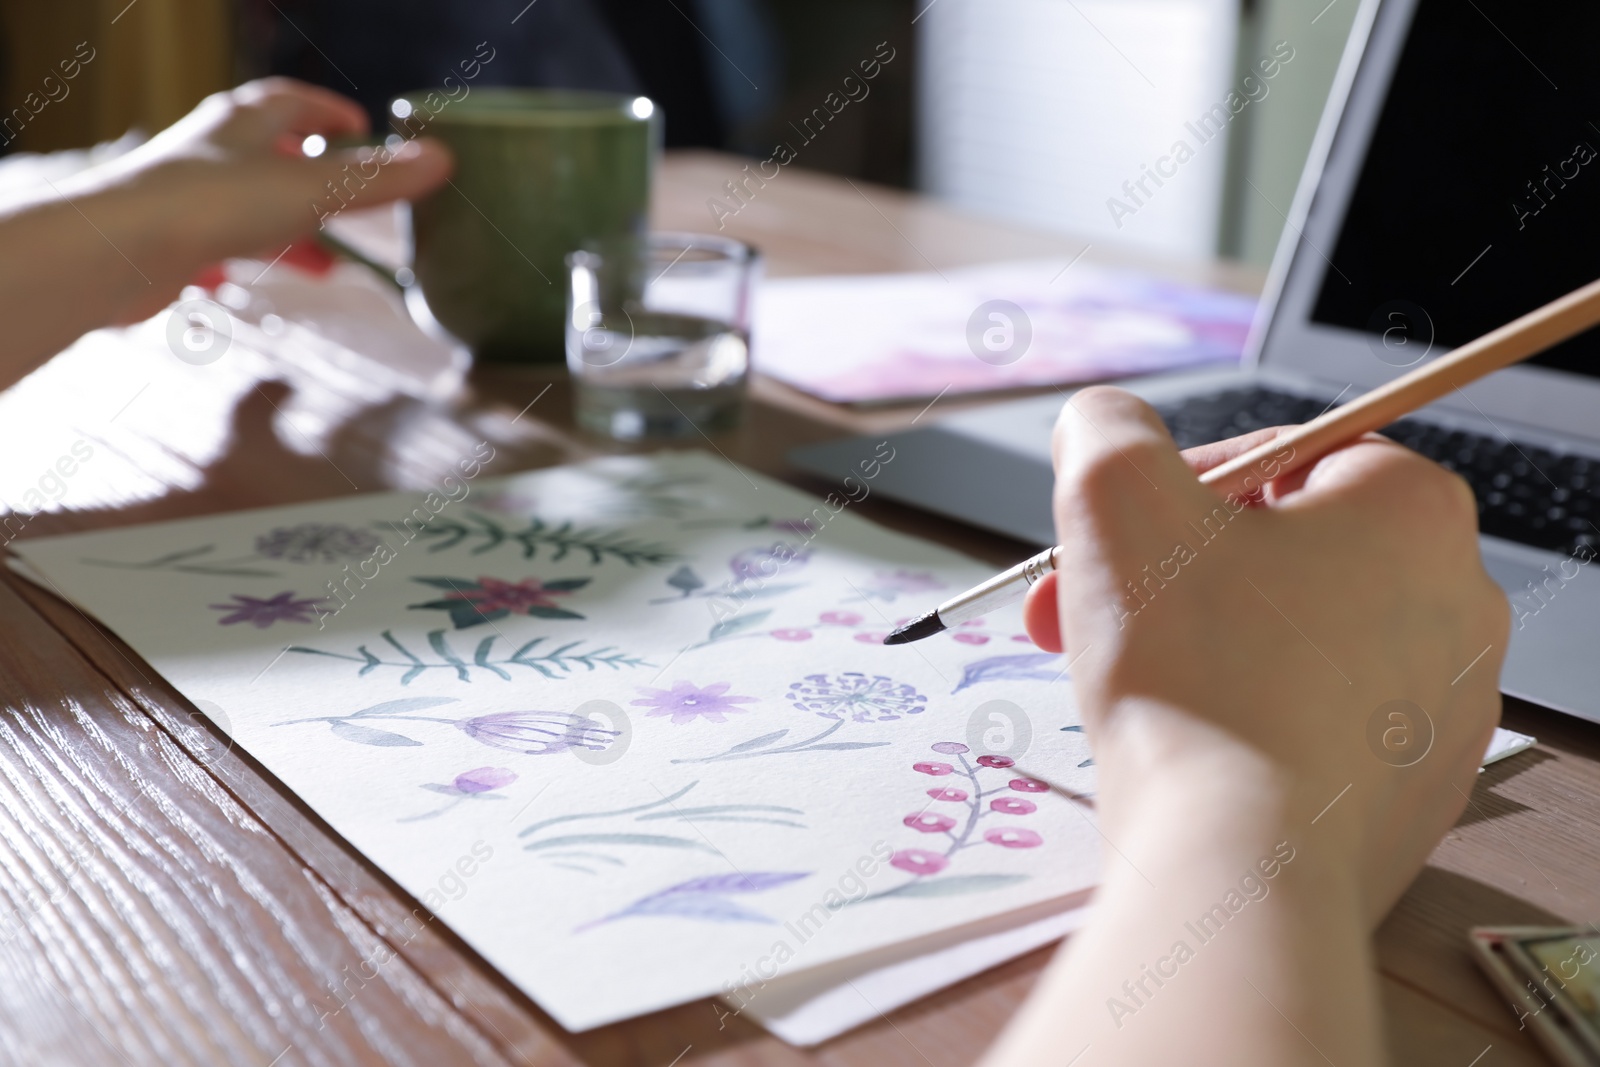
{"x": 317, "y": 542}
{"x": 857, "y": 697}
{"x": 537, "y": 733}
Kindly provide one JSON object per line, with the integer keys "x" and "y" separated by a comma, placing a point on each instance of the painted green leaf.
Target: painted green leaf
{"x": 650, "y": 840}
{"x": 397, "y": 707}
{"x": 760, "y": 742}
{"x": 464, "y": 614}
{"x": 843, "y": 746}
{"x": 565, "y": 585}
{"x": 540, "y": 612}
{"x": 737, "y": 624}
{"x": 366, "y": 735}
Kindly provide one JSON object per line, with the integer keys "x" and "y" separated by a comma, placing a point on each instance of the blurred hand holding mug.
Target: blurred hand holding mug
{"x": 539, "y": 173}
{"x": 658, "y": 334}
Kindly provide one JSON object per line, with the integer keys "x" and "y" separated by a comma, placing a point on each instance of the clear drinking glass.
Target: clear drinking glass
{"x": 658, "y": 335}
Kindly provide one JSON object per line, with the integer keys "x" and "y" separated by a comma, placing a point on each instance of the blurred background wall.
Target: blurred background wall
{"x": 1037, "y": 111}
{"x": 150, "y": 65}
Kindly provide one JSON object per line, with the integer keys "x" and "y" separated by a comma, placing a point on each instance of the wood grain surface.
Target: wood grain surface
{"x": 164, "y": 901}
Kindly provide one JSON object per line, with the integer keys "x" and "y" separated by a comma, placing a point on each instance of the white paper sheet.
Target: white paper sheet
{"x": 813, "y": 1006}
{"x": 692, "y": 764}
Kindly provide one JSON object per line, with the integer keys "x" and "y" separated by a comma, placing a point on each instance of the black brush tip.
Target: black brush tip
{"x": 917, "y": 629}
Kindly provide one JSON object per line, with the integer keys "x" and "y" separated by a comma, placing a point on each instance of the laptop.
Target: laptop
{"x": 1453, "y": 185}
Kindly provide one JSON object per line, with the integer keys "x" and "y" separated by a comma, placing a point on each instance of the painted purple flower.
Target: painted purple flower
{"x": 951, "y": 748}
{"x": 871, "y": 638}
{"x": 996, "y": 761}
{"x": 1012, "y": 837}
{"x": 538, "y": 733}
{"x": 484, "y": 779}
{"x": 686, "y": 702}
{"x": 856, "y": 697}
{"x": 949, "y": 792}
{"x": 792, "y": 635}
{"x": 478, "y": 784}
{"x": 841, "y": 618}
{"x": 973, "y": 639}
{"x": 938, "y": 770}
{"x": 918, "y": 861}
{"x": 263, "y": 613}
{"x": 929, "y": 822}
{"x": 317, "y": 542}
{"x": 1012, "y": 806}
{"x": 1029, "y": 785}
{"x": 762, "y": 564}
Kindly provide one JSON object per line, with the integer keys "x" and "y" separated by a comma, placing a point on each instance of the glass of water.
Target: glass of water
{"x": 658, "y": 335}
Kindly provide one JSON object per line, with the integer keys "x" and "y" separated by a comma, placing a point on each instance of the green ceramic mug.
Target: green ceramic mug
{"x": 539, "y": 173}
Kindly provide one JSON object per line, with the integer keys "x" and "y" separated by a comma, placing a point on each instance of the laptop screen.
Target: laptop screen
{"x": 1479, "y": 196}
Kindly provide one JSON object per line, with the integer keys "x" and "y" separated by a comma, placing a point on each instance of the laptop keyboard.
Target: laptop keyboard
{"x": 1525, "y": 494}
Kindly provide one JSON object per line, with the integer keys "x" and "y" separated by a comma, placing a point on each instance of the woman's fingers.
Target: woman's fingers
{"x": 367, "y": 177}
{"x": 1041, "y": 615}
{"x": 1202, "y": 458}
{"x": 294, "y": 107}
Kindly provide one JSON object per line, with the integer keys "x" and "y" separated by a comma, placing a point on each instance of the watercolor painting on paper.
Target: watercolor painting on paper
{"x": 644, "y": 700}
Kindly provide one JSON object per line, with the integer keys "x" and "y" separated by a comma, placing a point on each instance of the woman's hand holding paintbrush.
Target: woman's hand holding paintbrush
{"x": 1229, "y": 667}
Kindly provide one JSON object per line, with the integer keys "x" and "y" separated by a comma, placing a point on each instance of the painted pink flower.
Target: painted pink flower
{"x": 494, "y": 594}
{"x": 973, "y": 639}
{"x": 996, "y": 761}
{"x": 871, "y": 638}
{"x": 947, "y": 793}
{"x": 484, "y": 779}
{"x": 950, "y": 748}
{"x": 1012, "y": 837}
{"x": 686, "y": 702}
{"x": 841, "y": 618}
{"x": 488, "y": 599}
{"x": 918, "y": 861}
{"x": 935, "y": 769}
{"x": 929, "y": 822}
{"x": 792, "y": 635}
{"x": 263, "y": 613}
{"x": 1029, "y": 785}
{"x": 1012, "y": 806}
{"x": 970, "y": 624}
{"x": 1024, "y": 638}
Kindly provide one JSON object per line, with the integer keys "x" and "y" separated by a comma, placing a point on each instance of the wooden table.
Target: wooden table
{"x": 163, "y": 900}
